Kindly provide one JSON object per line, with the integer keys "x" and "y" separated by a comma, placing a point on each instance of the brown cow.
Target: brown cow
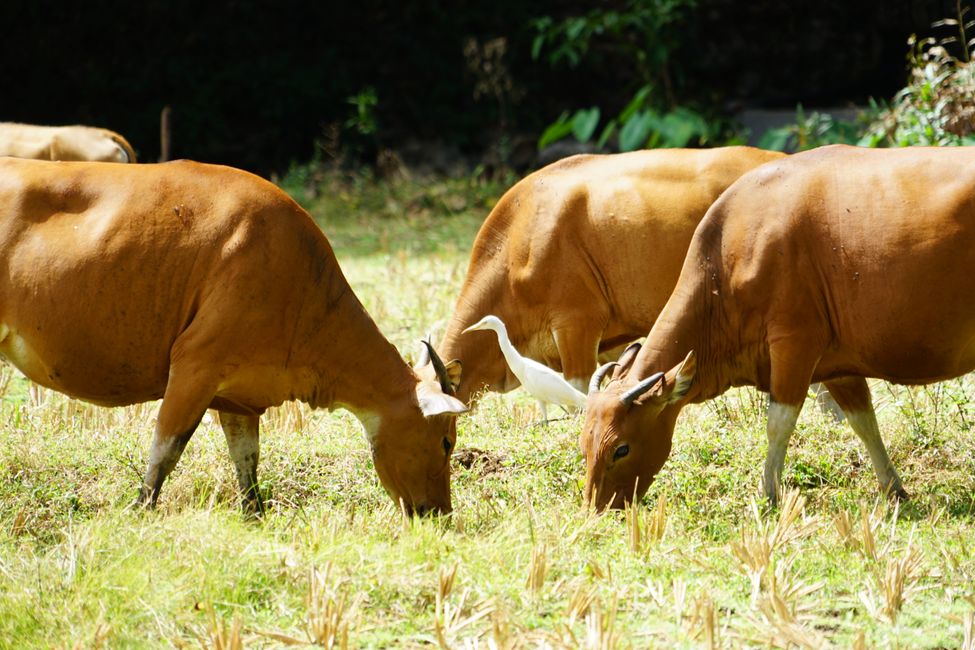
{"x": 207, "y": 287}
{"x": 63, "y": 143}
{"x": 579, "y": 258}
{"x": 832, "y": 265}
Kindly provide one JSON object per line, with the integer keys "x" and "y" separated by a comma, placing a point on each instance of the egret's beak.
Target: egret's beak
{"x": 472, "y": 328}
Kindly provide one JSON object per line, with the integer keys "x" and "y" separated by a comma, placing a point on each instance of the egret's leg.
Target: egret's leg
{"x": 541, "y": 406}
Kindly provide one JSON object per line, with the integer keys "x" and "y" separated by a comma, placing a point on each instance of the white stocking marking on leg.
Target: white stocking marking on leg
{"x": 244, "y": 447}
{"x": 781, "y": 422}
{"x": 580, "y": 384}
{"x": 864, "y": 423}
{"x": 164, "y": 454}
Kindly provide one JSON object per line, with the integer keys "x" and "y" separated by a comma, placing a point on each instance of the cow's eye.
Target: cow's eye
{"x": 446, "y": 446}
{"x": 621, "y": 451}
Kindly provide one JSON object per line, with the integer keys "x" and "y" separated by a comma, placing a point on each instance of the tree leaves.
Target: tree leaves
{"x": 584, "y": 123}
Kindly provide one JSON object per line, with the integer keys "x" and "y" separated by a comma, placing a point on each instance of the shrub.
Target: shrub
{"x": 643, "y": 34}
{"x": 937, "y": 107}
{"x": 808, "y": 132}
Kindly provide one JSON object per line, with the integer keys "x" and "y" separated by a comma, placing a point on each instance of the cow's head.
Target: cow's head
{"x": 411, "y": 445}
{"x": 628, "y": 429}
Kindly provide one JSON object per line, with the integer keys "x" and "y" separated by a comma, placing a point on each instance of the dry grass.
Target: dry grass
{"x": 522, "y": 563}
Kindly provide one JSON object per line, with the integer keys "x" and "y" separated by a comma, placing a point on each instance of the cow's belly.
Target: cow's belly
{"x": 18, "y": 351}
{"x": 904, "y": 361}
{"x": 84, "y": 373}
{"x": 253, "y": 388}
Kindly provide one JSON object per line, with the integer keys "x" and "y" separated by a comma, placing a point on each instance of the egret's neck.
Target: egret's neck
{"x": 510, "y": 354}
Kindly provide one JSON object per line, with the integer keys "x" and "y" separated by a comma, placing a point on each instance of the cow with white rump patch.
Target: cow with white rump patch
{"x": 832, "y": 265}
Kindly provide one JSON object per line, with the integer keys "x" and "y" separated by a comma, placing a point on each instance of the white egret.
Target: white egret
{"x": 544, "y": 384}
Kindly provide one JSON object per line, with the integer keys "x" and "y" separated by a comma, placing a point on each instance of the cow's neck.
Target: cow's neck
{"x": 483, "y": 366}
{"x": 355, "y": 366}
{"x": 699, "y": 318}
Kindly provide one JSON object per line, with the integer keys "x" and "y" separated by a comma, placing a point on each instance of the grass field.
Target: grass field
{"x": 521, "y": 563}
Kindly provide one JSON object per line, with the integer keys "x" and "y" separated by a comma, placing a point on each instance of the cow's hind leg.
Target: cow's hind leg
{"x": 853, "y": 396}
{"x": 827, "y": 403}
{"x": 243, "y": 441}
{"x": 184, "y": 403}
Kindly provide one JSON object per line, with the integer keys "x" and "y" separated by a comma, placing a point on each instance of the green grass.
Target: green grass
{"x": 522, "y": 563}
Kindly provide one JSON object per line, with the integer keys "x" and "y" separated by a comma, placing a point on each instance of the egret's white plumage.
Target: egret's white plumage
{"x": 544, "y": 384}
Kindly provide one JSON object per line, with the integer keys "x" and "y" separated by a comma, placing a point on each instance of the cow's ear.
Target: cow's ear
{"x": 454, "y": 370}
{"x": 679, "y": 379}
{"x": 433, "y": 401}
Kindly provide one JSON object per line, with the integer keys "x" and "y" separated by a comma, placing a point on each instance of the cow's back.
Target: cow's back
{"x": 607, "y": 233}
{"x": 870, "y": 251}
{"x": 65, "y": 143}
{"x": 103, "y": 266}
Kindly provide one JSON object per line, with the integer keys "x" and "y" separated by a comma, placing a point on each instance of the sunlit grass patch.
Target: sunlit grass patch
{"x": 521, "y": 562}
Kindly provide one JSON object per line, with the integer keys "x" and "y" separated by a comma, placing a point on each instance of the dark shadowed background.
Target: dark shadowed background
{"x": 256, "y": 83}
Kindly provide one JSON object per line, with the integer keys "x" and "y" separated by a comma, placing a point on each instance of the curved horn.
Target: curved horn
{"x": 632, "y": 347}
{"x": 631, "y": 350}
{"x": 424, "y": 357}
{"x": 628, "y": 355}
{"x": 597, "y": 377}
{"x": 440, "y": 369}
{"x": 631, "y": 395}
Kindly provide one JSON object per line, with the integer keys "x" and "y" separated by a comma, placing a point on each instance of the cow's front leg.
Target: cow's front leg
{"x": 578, "y": 347}
{"x": 183, "y": 406}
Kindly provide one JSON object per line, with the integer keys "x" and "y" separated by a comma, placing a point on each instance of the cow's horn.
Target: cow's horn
{"x": 634, "y": 393}
{"x": 631, "y": 351}
{"x": 597, "y": 377}
{"x": 424, "y": 357}
{"x": 440, "y": 369}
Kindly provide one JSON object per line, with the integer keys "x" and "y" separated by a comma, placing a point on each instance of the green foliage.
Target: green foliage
{"x": 643, "y": 31}
{"x": 936, "y": 108}
{"x": 637, "y": 126}
{"x": 445, "y": 210}
{"x": 810, "y": 131}
{"x": 363, "y": 119}
{"x": 643, "y": 34}
{"x": 677, "y": 128}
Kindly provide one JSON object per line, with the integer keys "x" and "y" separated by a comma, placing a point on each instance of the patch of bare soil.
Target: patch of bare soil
{"x": 481, "y": 461}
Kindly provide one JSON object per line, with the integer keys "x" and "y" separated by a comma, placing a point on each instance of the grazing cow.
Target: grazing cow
{"x": 63, "y": 143}
{"x": 579, "y": 258}
{"x": 832, "y": 265}
{"x": 207, "y": 287}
